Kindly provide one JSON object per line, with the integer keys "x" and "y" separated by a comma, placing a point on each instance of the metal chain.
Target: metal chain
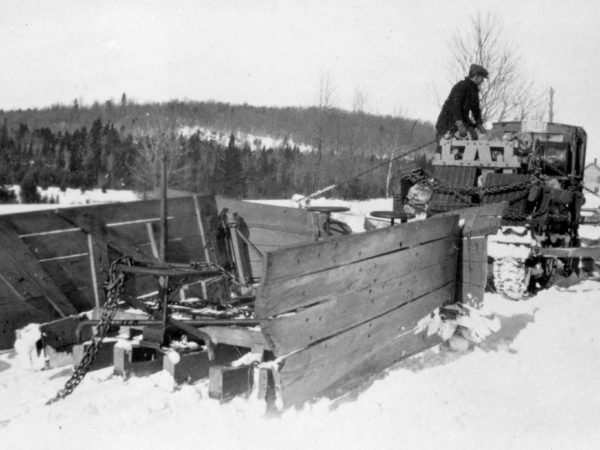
{"x": 441, "y": 187}
{"x": 114, "y": 289}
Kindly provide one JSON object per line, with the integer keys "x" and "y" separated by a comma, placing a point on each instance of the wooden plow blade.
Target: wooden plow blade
{"x": 327, "y": 314}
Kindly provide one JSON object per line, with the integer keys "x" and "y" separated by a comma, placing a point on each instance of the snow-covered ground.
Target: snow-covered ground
{"x": 533, "y": 384}
{"x": 69, "y": 197}
{"x": 254, "y": 142}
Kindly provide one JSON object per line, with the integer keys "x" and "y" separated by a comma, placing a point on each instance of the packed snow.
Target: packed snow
{"x": 532, "y": 384}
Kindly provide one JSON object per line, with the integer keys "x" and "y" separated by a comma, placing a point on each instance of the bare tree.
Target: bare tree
{"x": 508, "y": 93}
{"x": 358, "y": 101}
{"x": 325, "y": 103}
{"x": 157, "y": 141}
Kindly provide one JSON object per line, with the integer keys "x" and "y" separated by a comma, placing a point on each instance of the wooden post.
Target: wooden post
{"x": 164, "y": 281}
{"x": 163, "y": 211}
{"x": 152, "y": 240}
{"x": 205, "y": 243}
{"x": 93, "y": 270}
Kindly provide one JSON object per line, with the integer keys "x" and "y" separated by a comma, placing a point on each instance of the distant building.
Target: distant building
{"x": 591, "y": 177}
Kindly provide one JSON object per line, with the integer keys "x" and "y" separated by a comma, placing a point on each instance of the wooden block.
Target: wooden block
{"x": 61, "y": 333}
{"x": 136, "y": 360}
{"x": 129, "y": 332}
{"x": 191, "y": 366}
{"x": 470, "y": 294}
{"x": 236, "y": 336}
{"x": 104, "y": 358}
{"x": 266, "y": 386}
{"x": 227, "y": 382}
{"x": 59, "y": 358}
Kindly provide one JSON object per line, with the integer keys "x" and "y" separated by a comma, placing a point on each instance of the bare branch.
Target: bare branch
{"x": 507, "y": 94}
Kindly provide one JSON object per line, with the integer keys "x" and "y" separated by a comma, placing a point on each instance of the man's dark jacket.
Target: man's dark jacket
{"x": 463, "y": 98}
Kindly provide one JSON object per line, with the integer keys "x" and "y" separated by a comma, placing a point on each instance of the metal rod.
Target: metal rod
{"x": 249, "y": 243}
{"x": 162, "y": 256}
{"x": 168, "y": 271}
{"x": 145, "y": 323}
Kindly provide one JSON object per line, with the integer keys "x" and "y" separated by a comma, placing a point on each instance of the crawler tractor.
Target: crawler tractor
{"x": 536, "y": 167}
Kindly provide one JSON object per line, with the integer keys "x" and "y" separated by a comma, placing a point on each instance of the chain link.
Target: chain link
{"x": 114, "y": 289}
{"x": 440, "y": 187}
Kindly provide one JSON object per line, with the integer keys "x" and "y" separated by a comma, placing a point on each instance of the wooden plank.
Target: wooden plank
{"x": 268, "y": 240}
{"x": 572, "y": 252}
{"x": 388, "y": 354}
{"x": 474, "y": 249}
{"x": 28, "y": 267}
{"x": 57, "y": 245}
{"x": 104, "y": 357}
{"x": 374, "y": 345}
{"x": 473, "y": 272}
{"x": 185, "y": 250}
{"x": 295, "y": 331}
{"x": 61, "y": 333}
{"x": 479, "y": 220}
{"x": 98, "y": 228}
{"x": 93, "y": 271}
{"x": 138, "y": 211}
{"x": 290, "y": 294}
{"x": 227, "y": 382}
{"x": 16, "y": 314}
{"x": 276, "y": 218}
{"x": 136, "y": 360}
{"x": 292, "y": 262}
{"x": 189, "y": 367}
{"x": 207, "y": 242}
{"x": 236, "y": 336}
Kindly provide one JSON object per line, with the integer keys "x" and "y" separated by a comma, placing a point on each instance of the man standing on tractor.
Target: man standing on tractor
{"x": 461, "y": 104}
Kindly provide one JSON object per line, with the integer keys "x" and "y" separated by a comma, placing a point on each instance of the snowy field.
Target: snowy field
{"x": 534, "y": 384}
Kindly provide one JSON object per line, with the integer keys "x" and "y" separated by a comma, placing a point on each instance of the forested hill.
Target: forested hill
{"x": 234, "y": 150}
{"x": 329, "y": 128}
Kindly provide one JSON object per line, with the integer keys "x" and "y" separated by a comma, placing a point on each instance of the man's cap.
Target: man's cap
{"x": 476, "y": 69}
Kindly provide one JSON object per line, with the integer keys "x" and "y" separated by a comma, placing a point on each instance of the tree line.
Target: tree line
{"x": 110, "y": 157}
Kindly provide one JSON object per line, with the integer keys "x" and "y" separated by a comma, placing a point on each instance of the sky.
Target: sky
{"x": 275, "y": 53}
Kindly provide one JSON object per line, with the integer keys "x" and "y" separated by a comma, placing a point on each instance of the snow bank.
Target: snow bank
{"x": 532, "y": 384}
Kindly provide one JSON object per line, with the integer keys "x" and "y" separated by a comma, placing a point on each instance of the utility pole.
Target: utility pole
{"x": 551, "y": 106}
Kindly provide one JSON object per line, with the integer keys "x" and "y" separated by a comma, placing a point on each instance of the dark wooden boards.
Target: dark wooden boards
{"x": 288, "y": 295}
{"x": 349, "y": 357}
{"x": 295, "y": 221}
{"x": 26, "y": 267}
{"x": 337, "y": 311}
{"x": 271, "y": 227}
{"x": 56, "y": 261}
{"x": 290, "y": 332}
{"x": 472, "y": 270}
{"x": 303, "y": 259}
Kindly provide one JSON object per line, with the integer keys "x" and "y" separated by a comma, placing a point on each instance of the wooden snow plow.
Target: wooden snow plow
{"x": 246, "y": 297}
